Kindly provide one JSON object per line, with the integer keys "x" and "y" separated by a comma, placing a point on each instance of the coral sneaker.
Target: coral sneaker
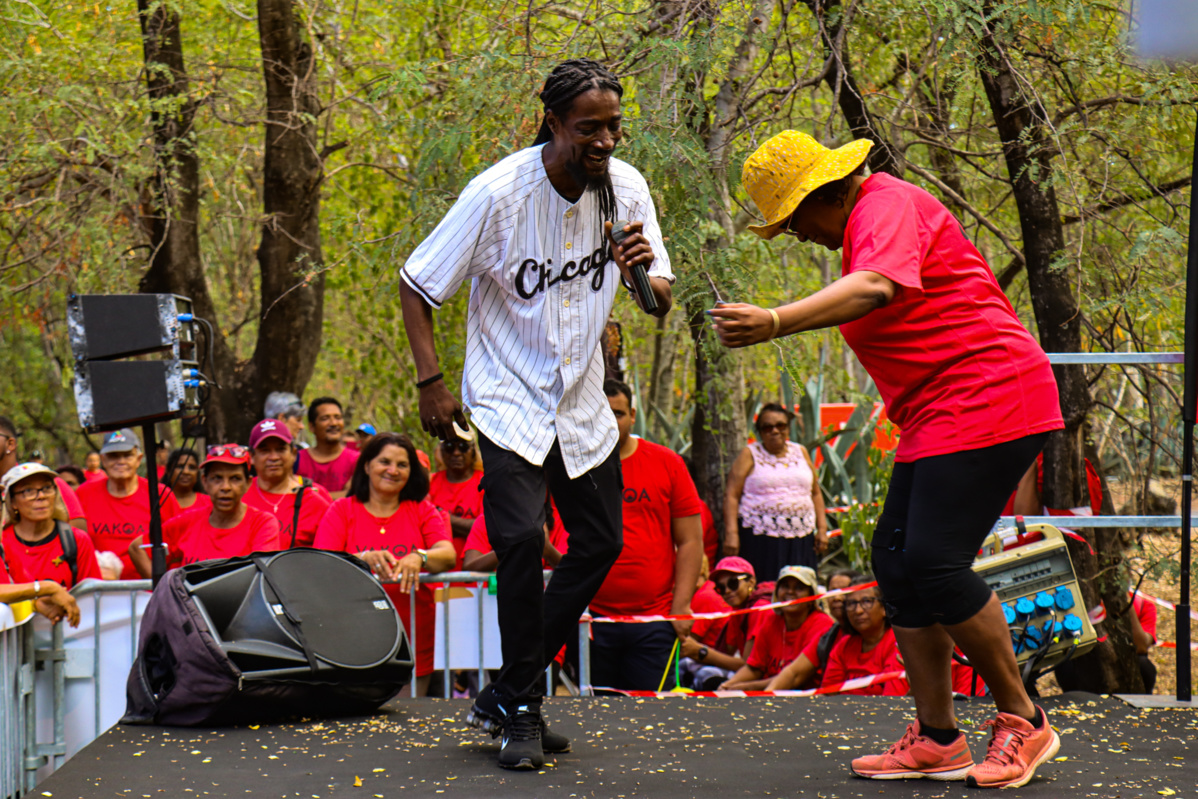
{"x": 1016, "y": 750}
{"x": 916, "y": 756}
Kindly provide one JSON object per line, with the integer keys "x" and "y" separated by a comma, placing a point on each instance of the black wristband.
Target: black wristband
{"x": 428, "y": 381}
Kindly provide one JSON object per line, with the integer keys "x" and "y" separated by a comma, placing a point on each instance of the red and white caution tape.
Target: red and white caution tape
{"x": 1164, "y": 603}
{"x": 847, "y": 508}
{"x": 1173, "y": 645}
{"x": 848, "y": 685}
{"x": 723, "y": 614}
{"x": 1098, "y": 613}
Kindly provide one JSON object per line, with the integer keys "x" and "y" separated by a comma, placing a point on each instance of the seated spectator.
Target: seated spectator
{"x": 285, "y": 407}
{"x": 656, "y": 571}
{"x": 72, "y": 475}
{"x": 705, "y": 633}
{"x": 36, "y": 534}
{"x": 869, "y": 648}
{"x": 808, "y": 667}
{"x": 183, "y": 477}
{"x": 712, "y": 663}
{"x": 110, "y": 565}
{"x": 782, "y": 635}
{"x": 479, "y": 557}
{"x": 456, "y": 491}
{"x": 228, "y": 529}
{"x": 388, "y": 522}
{"x": 8, "y": 460}
{"x": 1143, "y": 635}
{"x": 330, "y": 463}
{"x": 49, "y": 598}
{"x": 362, "y": 434}
{"x": 91, "y": 467}
{"x": 118, "y": 508}
{"x": 296, "y": 502}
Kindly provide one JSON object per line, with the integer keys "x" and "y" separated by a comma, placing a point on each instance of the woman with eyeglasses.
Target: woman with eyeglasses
{"x": 182, "y": 476}
{"x": 455, "y": 490}
{"x": 869, "y": 646}
{"x": 773, "y": 506}
{"x": 37, "y": 536}
{"x": 36, "y": 501}
{"x": 387, "y": 521}
{"x": 229, "y": 529}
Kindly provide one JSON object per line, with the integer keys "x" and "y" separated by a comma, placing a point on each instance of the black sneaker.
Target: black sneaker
{"x": 520, "y": 746}
{"x": 487, "y": 714}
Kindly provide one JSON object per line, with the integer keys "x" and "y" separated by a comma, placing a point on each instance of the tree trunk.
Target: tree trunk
{"x": 289, "y": 257}
{"x": 1028, "y": 150}
{"x": 171, "y": 200}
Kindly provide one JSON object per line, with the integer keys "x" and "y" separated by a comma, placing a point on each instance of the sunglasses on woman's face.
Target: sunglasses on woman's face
{"x": 457, "y": 446}
{"x": 731, "y": 584}
{"x": 769, "y": 428}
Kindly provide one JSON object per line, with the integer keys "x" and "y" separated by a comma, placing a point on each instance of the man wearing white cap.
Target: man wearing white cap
{"x": 118, "y": 508}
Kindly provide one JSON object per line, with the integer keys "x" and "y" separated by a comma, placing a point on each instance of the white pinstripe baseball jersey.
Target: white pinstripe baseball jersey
{"x": 541, "y": 290}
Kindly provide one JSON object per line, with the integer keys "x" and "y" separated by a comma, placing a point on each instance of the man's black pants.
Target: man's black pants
{"x": 535, "y": 620}
{"x": 632, "y": 656}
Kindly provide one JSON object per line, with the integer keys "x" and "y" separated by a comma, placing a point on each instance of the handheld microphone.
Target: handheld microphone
{"x": 640, "y": 278}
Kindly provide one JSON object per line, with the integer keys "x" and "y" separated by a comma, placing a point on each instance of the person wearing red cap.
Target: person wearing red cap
{"x": 36, "y": 534}
{"x": 118, "y": 508}
{"x": 229, "y": 529}
{"x": 388, "y": 522}
{"x": 716, "y": 649}
{"x": 296, "y": 502}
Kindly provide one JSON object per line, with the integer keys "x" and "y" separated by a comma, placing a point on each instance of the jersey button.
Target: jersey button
{"x": 567, "y": 303}
{"x": 569, "y": 214}
{"x": 569, "y": 245}
{"x": 567, "y": 361}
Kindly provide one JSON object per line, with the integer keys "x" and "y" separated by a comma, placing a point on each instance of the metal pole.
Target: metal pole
{"x": 1188, "y": 412}
{"x": 412, "y": 639}
{"x": 482, "y": 629}
{"x": 584, "y": 657}
{"x": 446, "y": 673}
{"x": 157, "y": 552}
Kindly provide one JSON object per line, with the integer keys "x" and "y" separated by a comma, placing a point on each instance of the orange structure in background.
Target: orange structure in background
{"x": 835, "y": 416}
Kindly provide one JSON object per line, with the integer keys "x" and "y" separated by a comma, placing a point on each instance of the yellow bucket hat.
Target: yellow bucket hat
{"x": 790, "y": 166}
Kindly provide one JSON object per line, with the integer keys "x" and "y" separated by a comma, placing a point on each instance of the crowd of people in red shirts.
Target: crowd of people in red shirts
{"x": 377, "y": 496}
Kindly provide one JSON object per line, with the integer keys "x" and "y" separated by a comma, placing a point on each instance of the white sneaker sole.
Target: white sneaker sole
{"x": 943, "y": 776}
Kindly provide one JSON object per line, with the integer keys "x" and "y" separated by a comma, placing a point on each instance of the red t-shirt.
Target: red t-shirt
{"x": 349, "y": 527}
{"x": 458, "y": 499}
{"x": 657, "y": 490}
{"x": 774, "y": 646}
{"x": 708, "y": 600}
{"x": 44, "y": 559}
{"x": 811, "y": 651}
{"x": 480, "y": 542}
{"x": 1146, "y": 612}
{"x": 69, "y": 500}
{"x": 113, "y": 522}
{"x": 191, "y": 538}
{"x": 332, "y": 476}
{"x": 953, "y": 363}
{"x": 963, "y": 680}
{"x": 199, "y": 502}
{"x": 96, "y": 475}
{"x": 313, "y": 506}
{"x": 846, "y": 661}
{"x": 11, "y": 572}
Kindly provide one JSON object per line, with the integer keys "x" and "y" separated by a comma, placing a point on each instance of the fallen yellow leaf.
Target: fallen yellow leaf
{"x": 357, "y": 782}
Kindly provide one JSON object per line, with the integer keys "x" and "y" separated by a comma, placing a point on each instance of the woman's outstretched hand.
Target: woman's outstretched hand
{"x": 739, "y": 324}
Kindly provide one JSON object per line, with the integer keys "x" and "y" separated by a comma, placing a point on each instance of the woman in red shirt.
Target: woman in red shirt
{"x": 976, "y": 399}
{"x": 296, "y": 502}
{"x": 387, "y": 521}
{"x": 868, "y": 648}
{"x": 182, "y": 476}
{"x": 37, "y": 525}
{"x": 228, "y": 529}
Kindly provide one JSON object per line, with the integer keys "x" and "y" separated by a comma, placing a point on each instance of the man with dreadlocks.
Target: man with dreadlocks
{"x": 533, "y": 235}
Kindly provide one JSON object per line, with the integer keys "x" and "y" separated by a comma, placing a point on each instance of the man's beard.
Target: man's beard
{"x": 588, "y": 181}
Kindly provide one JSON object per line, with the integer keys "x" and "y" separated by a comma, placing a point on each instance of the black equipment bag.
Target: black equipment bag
{"x": 267, "y": 636}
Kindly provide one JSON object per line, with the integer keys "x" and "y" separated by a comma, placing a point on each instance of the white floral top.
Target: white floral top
{"x": 777, "y": 498}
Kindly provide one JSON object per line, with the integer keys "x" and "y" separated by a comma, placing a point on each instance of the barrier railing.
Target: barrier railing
{"x": 16, "y": 680}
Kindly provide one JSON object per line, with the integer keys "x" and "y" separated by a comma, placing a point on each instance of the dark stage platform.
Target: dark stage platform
{"x": 675, "y": 747}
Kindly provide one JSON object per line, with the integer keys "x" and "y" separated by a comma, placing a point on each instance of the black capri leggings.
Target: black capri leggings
{"x": 937, "y": 514}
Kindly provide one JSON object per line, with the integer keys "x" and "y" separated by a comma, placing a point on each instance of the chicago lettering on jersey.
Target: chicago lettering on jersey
{"x": 542, "y": 276}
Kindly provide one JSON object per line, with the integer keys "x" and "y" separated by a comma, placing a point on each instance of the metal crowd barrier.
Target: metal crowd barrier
{"x": 16, "y": 679}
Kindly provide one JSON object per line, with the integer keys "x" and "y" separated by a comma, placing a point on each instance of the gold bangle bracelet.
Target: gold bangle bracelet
{"x": 777, "y": 323}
